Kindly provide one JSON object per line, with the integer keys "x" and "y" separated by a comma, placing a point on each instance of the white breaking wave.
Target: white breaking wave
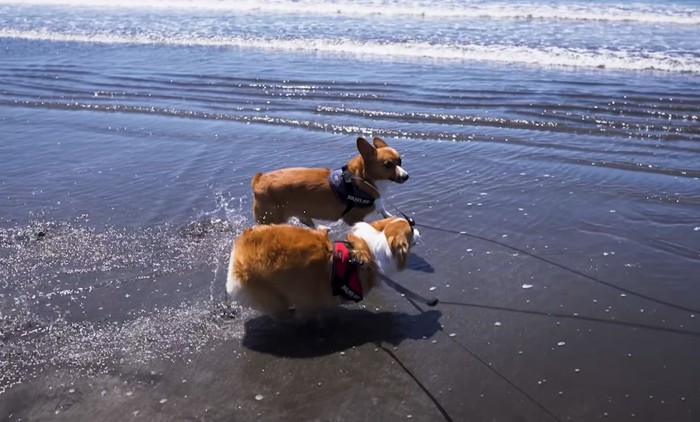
{"x": 542, "y": 56}
{"x": 633, "y": 12}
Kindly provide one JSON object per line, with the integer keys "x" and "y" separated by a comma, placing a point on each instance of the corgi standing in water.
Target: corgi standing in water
{"x": 351, "y": 192}
{"x": 288, "y": 271}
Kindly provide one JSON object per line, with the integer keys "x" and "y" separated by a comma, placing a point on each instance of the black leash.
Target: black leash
{"x": 408, "y": 293}
{"x": 564, "y": 267}
{"x": 420, "y": 385}
{"x": 411, "y": 297}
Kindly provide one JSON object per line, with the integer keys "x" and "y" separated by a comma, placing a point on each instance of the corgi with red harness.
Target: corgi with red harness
{"x": 284, "y": 270}
{"x": 351, "y": 192}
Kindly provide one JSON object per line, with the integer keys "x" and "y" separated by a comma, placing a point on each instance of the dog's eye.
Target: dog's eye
{"x": 398, "y": 162}
{"x": 388, "y": 164}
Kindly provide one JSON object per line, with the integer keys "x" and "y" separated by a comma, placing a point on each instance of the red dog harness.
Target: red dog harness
{"x": 345, "y": 280}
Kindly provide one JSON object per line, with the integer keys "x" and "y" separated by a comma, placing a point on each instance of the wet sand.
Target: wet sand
{"x": 514, "y": 338}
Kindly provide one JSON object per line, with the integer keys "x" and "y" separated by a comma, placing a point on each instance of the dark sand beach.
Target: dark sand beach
{"x": 558, "y": 206}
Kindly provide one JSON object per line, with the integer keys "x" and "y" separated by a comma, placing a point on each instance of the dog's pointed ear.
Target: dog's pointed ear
{"x": 366, "y": 149}
{"x": 379, "y": 142}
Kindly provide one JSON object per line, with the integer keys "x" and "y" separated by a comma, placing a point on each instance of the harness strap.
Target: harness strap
{"x": 352, "y": 196}
{"x": 345, "y": 280}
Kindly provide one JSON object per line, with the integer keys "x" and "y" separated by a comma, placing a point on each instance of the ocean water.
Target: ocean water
{"x": 553, "y": 148}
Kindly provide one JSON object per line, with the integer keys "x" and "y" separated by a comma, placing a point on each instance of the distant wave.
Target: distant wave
{"x": 633, "y": 12}
{"x": 544, "y": 56}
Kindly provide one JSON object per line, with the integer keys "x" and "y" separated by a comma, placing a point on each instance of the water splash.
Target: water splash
{"x": 58, "y": 275}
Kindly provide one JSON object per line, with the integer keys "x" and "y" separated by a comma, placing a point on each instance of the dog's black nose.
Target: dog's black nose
{"x": 404, "y": 177}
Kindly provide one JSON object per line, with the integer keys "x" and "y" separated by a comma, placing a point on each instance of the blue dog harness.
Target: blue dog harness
{"x": 349, "y": 194}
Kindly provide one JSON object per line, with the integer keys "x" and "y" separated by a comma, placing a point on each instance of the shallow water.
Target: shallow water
{"x": 559, "y": 208}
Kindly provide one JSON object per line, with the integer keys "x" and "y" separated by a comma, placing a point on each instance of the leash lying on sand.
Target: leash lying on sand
{"x": 409, "y": 293}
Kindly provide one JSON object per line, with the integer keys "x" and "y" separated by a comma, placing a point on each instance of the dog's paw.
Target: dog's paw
{"x": 224, "y": 310}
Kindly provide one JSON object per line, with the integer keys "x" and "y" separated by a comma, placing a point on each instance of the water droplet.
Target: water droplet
{"x": 258, "y": 397}
{"x": 561, "y": 343}
{"x": 497, "y": 323}
{"x": 527, "y": 286}
{"x": 163, "y": 401}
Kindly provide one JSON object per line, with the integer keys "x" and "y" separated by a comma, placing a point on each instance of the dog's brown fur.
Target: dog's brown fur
{"x": 306, "y": 194}
{"x": 282, "y": 269}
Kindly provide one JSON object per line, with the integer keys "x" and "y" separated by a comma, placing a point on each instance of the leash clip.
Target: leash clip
{"x": 411, "y": 222}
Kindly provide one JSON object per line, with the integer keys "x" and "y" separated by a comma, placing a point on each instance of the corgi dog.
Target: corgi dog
{"x": 286, "y": 271}
{"x": 351, "y": 192}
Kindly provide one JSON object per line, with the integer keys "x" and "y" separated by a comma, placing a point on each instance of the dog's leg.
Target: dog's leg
{"x": 307, "y": 222}
{"x": 381, "y": 209}
{"x": 268, "y": 213}
{"x": 318, "y": 323}
{"x": 269, "y": 302}
{"x": 259, "y": 211}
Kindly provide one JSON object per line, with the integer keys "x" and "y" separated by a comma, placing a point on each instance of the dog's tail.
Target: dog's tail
{"x": 233, "y": 285}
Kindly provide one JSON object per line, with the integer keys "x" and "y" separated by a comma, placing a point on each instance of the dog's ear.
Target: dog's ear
{"x": 379, "y": 142}
{"x": 367, "y": 151}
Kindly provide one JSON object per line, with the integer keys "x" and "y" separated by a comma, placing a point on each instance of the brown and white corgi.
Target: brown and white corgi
{"x": 350, "y": 193}
{"x": 284, "y": 270}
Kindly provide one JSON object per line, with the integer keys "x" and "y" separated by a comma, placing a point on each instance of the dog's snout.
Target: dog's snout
{"x": 416, "y": 237}
{"x": 401, "y": 174}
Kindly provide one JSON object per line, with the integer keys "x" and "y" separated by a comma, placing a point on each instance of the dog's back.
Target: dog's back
{"x": 273, "y": 267}
{"x": 293, "y": 192}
